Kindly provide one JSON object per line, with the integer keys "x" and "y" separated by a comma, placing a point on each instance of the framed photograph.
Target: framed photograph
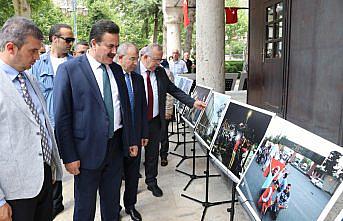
{"x": 238, "y": 137}
{"x": 210, "y": 117}
{"x": 191, "y": 115}
{"x": 294, "y": 175}
{"x": 186, "y": 87}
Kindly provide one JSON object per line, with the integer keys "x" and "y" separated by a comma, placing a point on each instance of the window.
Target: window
{"x": 274, "y": 33}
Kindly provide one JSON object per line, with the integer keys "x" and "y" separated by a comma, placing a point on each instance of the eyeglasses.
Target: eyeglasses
{"x": 67, "y": 40}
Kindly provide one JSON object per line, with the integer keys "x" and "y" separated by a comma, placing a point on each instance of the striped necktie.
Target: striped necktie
{"x": 47, "y": 151}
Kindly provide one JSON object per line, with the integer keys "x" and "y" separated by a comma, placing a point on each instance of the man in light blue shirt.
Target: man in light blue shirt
{"x": 177, "y": 66}
{"x": 29, "y": 159}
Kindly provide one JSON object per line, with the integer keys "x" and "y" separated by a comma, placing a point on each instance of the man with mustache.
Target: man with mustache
{"x": 44, "y": 70}
{"x": 93, "y": 123}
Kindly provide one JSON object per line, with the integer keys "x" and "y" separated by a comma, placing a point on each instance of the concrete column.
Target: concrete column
{"x": 210, "y": 30}
{"x": 172, "y": 19}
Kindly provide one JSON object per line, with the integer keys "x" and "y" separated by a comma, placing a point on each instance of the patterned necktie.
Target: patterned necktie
{"x": 108, "y": 99}
{"x": 131, "y": 96}
{"x": 150, "y": 96}
{"x": 47, "y": 151}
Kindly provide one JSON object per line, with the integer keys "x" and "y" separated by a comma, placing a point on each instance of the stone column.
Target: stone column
{"x": 172, "y": 19}
{"x": 210, "y": 31}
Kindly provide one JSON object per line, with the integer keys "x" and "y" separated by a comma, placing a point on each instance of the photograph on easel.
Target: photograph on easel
{"x": 191, "y": 115}
{"x": 209, "y": 119}
{"x": 238, "y": 137}
{"x": 294, "y": 175}
{"x": 186, "y": 87}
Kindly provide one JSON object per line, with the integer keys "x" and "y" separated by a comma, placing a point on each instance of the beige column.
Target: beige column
{"x": 210, "y": 30}
{"x": 173, "y": 18}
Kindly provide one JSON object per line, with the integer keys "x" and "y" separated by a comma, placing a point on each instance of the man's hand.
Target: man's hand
{"x": 168, "y": 116}
{"x": 133, "y": 151}
{"x": 200, "y": 105}
{"x": 144, "y": 142}
{"x": 6, "y": 212}
{"x": 73, "y": 167}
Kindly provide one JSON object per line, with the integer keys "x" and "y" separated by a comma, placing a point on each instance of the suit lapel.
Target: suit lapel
{"x": 10, "y": 90}
{"x": 119, "y": 77}
{"x": 88, "y": 72}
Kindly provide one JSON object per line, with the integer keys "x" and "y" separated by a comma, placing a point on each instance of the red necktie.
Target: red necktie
{"x": 150, "y": 96}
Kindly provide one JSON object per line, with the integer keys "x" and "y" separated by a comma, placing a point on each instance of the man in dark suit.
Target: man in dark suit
{"x": 93, "y": 123}
{"x": 128, "y": 57}
{"x": 157, "y": 84}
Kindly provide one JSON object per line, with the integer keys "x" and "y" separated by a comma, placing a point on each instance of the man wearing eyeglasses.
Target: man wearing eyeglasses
{"x": 44, "y": 70}
{"x": 80, "y": 48}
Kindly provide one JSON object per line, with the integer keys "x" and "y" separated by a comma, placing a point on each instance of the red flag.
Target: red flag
{"x": 275, "y": 164}
{"x": 185, "y": 13}
{"x": 231, "y": 15}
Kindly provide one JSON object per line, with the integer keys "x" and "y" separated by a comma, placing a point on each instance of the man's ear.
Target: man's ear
{"x": 93, "y": 43}
{"x": 11, "y": 47}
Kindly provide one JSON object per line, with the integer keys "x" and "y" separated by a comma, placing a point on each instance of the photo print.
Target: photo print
{"x": 191, "y": 115}
{"x": 186, "y": 87}
{"x": 238, "y": 137}
{"x": 209, "y": 119}
{"x": 294, "y": 175}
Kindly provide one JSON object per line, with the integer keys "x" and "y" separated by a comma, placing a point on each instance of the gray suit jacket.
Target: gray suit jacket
{"x": 21, "y": 159}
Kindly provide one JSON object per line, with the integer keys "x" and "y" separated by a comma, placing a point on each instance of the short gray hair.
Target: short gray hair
{"x": 122, "y": 49}
{"x": 16, "y": 30}
{"x": 150, "y": 47}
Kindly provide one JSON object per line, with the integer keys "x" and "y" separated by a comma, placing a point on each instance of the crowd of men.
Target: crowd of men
{"x": 94, "y": 110}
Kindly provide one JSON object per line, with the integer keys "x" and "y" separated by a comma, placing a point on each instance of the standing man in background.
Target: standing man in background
{"x": 176, "y": 65}
{"x": 128, "y": 57}
{"x": 157, "y": 84}
{"x": 44, "y": 70}
{"x": 93, "y": 123}
{"x": 188, "y": 62}
{"x": 29, "y": 158}
{"x": 80, "y": 48}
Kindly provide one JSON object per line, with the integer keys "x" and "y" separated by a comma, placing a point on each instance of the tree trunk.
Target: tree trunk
{"x": 189, "y": 29}
{"x": 22, "y": 8}
{"x": 155, "y": 25}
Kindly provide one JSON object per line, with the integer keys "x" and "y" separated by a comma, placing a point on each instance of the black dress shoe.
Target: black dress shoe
{"x": 164, "y": 162}
{"x": 135, "y": 216}
{"x": 156, "y": 191}
{"x": 57, "y": 211}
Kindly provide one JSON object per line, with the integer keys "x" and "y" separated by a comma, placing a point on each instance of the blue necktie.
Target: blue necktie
{"x": 108, "y": 99}
{"x": 131, "y": 96}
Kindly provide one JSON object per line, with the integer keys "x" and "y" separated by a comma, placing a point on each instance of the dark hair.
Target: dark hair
{"x": 55, "y": 30}
{"x": 100, "y": 28}
{"x": 16, "y": 30}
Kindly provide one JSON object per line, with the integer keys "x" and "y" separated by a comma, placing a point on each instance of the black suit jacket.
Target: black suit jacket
{"x": 166, "y": 86}
{"x": 80, "y": 116}
{"x": 140, "y": 124}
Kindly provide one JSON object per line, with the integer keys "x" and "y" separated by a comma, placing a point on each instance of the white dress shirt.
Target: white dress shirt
{"x": 97, "y": 71}
{"x": 153, "y": 81}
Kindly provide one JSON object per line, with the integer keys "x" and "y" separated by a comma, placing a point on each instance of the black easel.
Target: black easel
{"x": 184, "y": 156}
{"x": 231, "y": 210}
{"x": 206, "y": 204}
{"x": 193, "y": 176}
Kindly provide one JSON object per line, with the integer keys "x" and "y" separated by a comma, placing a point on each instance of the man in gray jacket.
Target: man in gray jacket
{"x": 29, "y": 159}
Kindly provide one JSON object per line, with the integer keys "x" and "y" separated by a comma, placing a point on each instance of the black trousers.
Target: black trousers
{"x": 131, "y": 173}
{"x": 38, "y": 208}
{"x": 165, "y": 141}
{"x": 152, "y": 150}
{"x": 57, "y": 196}
{"x": 106, "y": 179}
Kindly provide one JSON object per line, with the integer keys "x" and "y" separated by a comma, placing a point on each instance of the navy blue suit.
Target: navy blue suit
{"x": 140, "y": 130}
{"x": 81, "y": 123}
